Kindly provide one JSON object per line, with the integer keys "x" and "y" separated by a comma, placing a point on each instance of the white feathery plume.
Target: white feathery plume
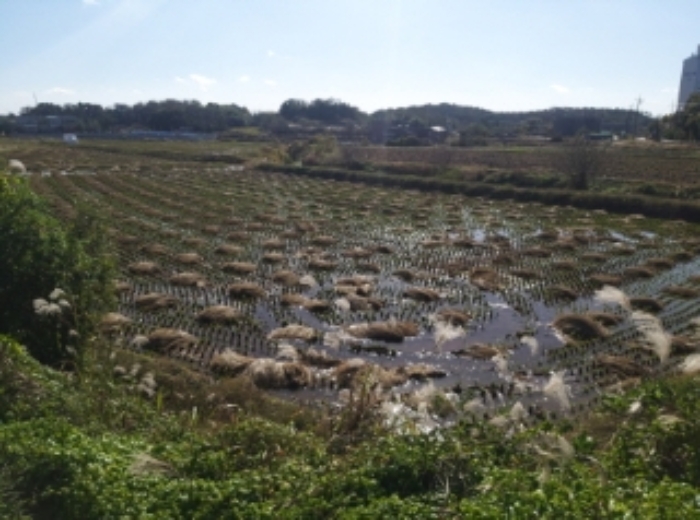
{"x": 655, "y": 337}
{"x": 532, "y": 343}
{"x": 558, "y": 391}
{"x": 610, "y": 294}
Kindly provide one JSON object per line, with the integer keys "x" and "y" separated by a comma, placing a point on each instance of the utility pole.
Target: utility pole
{"x": 639, "y": 102}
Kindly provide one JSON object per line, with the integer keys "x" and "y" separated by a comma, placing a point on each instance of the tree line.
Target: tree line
{"x": 194, "y": 116}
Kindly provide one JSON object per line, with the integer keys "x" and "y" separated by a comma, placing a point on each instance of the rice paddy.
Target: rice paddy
{"x": 312, "y": 286}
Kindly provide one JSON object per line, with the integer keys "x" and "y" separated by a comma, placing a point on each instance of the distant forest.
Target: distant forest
{"x": 295, "y": 115}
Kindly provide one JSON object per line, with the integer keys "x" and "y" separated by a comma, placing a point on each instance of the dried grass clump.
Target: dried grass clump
{"x": 620, "y": 365}
{"x": 188, "y": 279}
{"x": 286, "y": 278}
{"x": 356, "y": 372}
{"x": 293, "y": 331}
{"x": 194, "y": 241}
{"x": 603, "y": 279}
{"x": 167, "y": 341}
{"x": 526, "y": 274}
{"x": 155, "y": 301}
{"x": 144, "y": 268}
{"x": 228, "y": 250}
{"x": 421, "y": 372}
{"x": 421, "y": 294}
{"x": 238, "y": 237}
{"x": 211, "y": 229}
{"x": 537, "y": 252}
{"x": 454, "y": 317}
{"x": 646, "y": 304}
{"x": 273, "y": 258}
{"x": 562, "y": 292}
{"x": 121, "y": 287}
{"x": 407, "y": 275}
{"x": 606, "y": 319}
{"x": 230, "y": 363}
{"x": 357, "y": 253}
{"x": 639, "y": 271}
{"x": 661, "y": 263}
{"x": 273, "y": 245}
{"x": 478, "y": 351}
{"x": 389, "y": 331}
{"x": 504, "y": 259}
{"x": 564, "y": 245}
{"x": 684, "y": 345}
{"x": 564, "y": 265}
{"x": 320, "y": 359}
{"x": 682, "y": 256}
{"x": 222, "y": 314}
{"x": 595, "y": 257}
{"x": 113, "y": 322}
{"x": 323, "y": 241}
{"x": 580, "y": 327}
{"x": 274, "y": 375}
{"x": 384, "y": 249}
{"x": 484, "y": 278}
{"x": 363, "y": 303}
{"x": 245, "y": 290}
{"x": 321, "y": 264}
{"x": 681, "y": 292}
{"x": 548, "y": 235}
{"x": 239, "y": 268}
{"x": 368, "y": 267}
{"x": 156, "y": 249}
{"x": 189, "y": 258}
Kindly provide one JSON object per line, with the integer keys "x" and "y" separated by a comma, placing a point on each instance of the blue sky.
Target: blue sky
{"x": 505, "y": 55}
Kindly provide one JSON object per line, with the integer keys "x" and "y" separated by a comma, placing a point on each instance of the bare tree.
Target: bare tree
{"x": 582, "y": 160}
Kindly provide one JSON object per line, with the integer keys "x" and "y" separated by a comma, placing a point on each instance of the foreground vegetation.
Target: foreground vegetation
{"x": 82, "y": 446}
{"x": 109, "y": 432}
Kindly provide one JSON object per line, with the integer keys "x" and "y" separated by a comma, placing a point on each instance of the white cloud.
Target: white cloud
{"x": 202, "y": 81}
{"x": 559, "y": 88}
{"x": 62, "y": 91}
{"x": 271, "y": 54}
{"x": 270, "y": 82}
{"x": 244, "y": 79}
{"x": 91, "y": 2}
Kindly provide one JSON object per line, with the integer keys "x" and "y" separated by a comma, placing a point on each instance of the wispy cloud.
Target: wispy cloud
{"x": 62, "y": 91}
{"x": 202, "y": 81}
{"x": 270, "y": 83}
{"x": 559, "y": 88}
{"x": 91, "y": 2}
{"x": 271, "y": 54}
{"x": 244, "y": 79}
{"x": 178, "y": 79}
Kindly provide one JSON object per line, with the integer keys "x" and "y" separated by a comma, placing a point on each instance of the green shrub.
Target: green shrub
{"x": 37, "y": 255}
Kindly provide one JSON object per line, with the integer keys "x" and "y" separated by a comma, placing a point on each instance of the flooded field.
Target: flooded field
{"x": 314, "y": 286}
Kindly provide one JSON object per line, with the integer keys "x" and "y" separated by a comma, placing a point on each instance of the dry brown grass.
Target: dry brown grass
{"x": 603, "y": 279}
{"x": 681, "y": 292}
{"x": 230, "y": 363}
{"x": 239, "y": 268}
{"x": 454, "y": 317}
{"x": 421, "y": 294}
{"x": 286, "y": 278}
{"x": 526, "y": 274}
{"x": 580, "y": 327}
{"x": 222, "y": 314}
{"x": 228, "y": 250}
{"x": 647, "y": 304}
{"x": 639, "y": 271}
{"x": 155, "y": 301}
{"x": 156, "y": 249}
{"x": 478, "y": 351}
{"x": 166, "y": 341}
{"x": 189, "y": 258}
{"x": 113, "y": 322}
{"x": 245, "y": 290}
{"x": 188, "y": 279}
{"x": 621, "y": 366}
{"x": 562, "y": 292}
{"x": 293, "y": 331}
{"x": 389, "y": 331}
{"x": 273, "y": 258}
{"x": 144, "y": 268}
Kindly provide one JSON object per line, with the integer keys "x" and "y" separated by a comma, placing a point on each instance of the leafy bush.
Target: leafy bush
{"x": 37, "y": 255}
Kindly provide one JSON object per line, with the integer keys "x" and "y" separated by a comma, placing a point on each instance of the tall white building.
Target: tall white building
{"x": 690, "y": 78}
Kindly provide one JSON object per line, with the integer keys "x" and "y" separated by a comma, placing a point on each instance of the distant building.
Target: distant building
{"x": 690, "y": 78}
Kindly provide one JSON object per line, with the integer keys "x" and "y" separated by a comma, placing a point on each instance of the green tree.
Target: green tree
{"x": 38, "y": 255}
